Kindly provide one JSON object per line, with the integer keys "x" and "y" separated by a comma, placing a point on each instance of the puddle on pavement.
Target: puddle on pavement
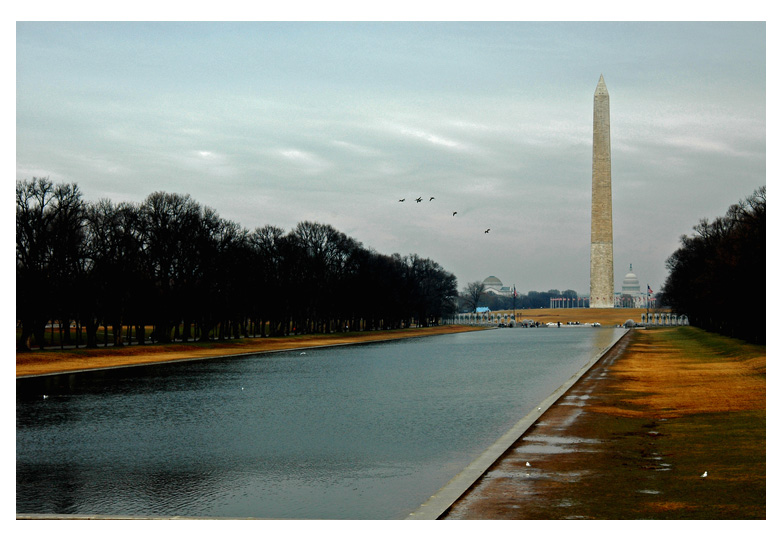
{"x": 574, "y": 400}
{"x": 513, "y": 474}
{"x": 530, "y": 474}
{"x": 566, "y": 422}
{"x": 552, "y": 445}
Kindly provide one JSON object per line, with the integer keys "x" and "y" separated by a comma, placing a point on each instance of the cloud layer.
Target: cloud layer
{"x": 278, "y": 123}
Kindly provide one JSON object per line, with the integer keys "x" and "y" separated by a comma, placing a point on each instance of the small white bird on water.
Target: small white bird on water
{"x": 528, "y": 464}
{"x": 704, "y": 474}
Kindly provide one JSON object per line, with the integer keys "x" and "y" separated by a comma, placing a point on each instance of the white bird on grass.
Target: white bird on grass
{"x": 704, "y": 474}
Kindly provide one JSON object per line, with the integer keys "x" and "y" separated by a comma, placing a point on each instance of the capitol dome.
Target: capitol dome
{"x": 631, "y": 284}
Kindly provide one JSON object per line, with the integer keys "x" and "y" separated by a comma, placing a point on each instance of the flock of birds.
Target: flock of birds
{"x": 419, "y": 200}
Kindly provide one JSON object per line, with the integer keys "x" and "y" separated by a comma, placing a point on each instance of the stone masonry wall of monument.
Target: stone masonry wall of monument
{"x": 602, "y": 280}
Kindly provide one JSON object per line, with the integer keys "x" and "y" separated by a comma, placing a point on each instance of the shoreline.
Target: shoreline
{"x": 55, "y": 362}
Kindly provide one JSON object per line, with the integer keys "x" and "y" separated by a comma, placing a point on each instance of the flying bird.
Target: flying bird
{"x": 432, "y": 198}
{"x": 418, "y": 199}
{"x": 401, "y": 200}
{"x": 487, "y": 230}
{"x": 455, "y": 212}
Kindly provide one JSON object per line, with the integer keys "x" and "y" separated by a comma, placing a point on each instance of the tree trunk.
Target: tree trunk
{"x": 118, "y": 336}
{"x": 204, "y": 331}
{"x": 186, "y": 330}
{"x": 92, "y": 333}
{"x": 39, "y": 332}
{"x": 24, "y": 338}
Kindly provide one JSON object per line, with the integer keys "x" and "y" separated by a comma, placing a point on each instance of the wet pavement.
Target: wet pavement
{"x": 532, "y": 479}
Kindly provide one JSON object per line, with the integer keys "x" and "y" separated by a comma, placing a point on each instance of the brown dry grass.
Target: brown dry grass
{"x": 660, "y": 377}
{"x": 52, "y": 361}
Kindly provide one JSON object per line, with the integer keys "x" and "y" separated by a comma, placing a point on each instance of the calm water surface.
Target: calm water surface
{"x": 355, "y": 432}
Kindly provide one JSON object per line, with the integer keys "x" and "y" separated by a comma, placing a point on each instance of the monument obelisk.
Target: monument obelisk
{"x": 602, "y": 283}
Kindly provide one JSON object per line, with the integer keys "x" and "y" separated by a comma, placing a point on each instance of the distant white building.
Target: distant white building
{"x": 630, "y": 295}
{"x": 494, "y": 286}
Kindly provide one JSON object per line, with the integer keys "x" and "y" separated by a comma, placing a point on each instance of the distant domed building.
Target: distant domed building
{"x": 494, "y": 286}
{"x": 630, "y": 295}
{"x": 631, "y": 285}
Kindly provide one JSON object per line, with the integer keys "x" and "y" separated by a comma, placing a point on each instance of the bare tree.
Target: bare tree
{"x": 711, "y": 271}
{"x": 472, "y": 294}
{"x": 33, "y": 257}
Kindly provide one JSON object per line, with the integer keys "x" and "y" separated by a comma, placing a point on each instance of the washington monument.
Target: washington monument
{"x": 602, "y": 283}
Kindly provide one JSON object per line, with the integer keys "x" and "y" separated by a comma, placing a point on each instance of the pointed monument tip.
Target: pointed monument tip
{"x": 601, "y": 88}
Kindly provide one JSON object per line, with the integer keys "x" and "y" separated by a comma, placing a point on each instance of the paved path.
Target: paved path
{"x": 538, "y": 462}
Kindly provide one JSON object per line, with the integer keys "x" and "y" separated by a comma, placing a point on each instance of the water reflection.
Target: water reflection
{"x": 367, "y": 431}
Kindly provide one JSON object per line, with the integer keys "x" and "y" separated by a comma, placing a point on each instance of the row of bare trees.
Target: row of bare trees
{"x": 475, "y": 294}
{"x": 177, "y": 266}
{"x": 717, "y": 276}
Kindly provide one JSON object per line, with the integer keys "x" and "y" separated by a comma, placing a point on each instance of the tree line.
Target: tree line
{"x": 475, "y": 294}
{"x": 174, "y": 265}
{"x": 714, "y": 270}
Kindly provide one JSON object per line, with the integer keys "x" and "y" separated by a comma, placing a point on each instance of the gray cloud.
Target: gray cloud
{"x": 277, "y": 123}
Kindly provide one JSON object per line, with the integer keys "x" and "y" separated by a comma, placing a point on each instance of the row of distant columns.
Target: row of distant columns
{"x": 489, "y": 318}
{"x": 486, "y": 318}
{"x": 664, "y": 319}
{"x": 570, "y": 302}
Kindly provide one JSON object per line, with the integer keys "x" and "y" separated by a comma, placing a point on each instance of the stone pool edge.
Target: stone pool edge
{"x": 442, "y": 500}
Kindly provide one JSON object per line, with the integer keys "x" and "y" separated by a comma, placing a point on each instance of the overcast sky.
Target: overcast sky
{"x": 276, "y": 123}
